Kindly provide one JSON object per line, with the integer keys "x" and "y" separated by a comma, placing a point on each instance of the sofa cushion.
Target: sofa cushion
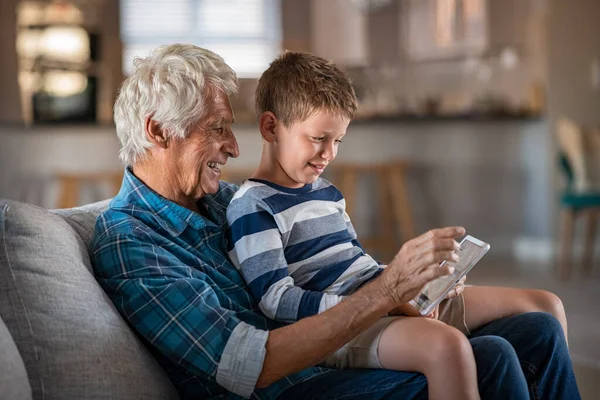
{"x": 83, "y": 219}
{"x": 14, "y": 384}
{"x": 72, "y": 340}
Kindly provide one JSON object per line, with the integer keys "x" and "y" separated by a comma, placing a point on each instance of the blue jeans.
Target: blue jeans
{"x": 519, "y": 357}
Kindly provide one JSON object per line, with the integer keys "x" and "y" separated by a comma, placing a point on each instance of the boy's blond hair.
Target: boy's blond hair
{"x": 296, "y": 85}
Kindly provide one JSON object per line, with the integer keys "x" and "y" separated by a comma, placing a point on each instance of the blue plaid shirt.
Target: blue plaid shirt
{"x": 166, "y": 270}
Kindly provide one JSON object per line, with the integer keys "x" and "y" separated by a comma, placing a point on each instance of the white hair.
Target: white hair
{"x": 171, "y": 86}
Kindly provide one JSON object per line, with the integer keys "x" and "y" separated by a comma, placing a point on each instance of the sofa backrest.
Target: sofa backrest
{"x": 83, "y": 219}
{"x": 73, "y": 342}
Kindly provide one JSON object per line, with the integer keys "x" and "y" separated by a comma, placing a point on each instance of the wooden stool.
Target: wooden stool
{"x": 569, "y": 216}
{"x": 71, "y": 184}
{"x": 393, "y": 210}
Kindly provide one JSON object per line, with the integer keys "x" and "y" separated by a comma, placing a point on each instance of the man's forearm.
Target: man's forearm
{"x": 309, "y": 341}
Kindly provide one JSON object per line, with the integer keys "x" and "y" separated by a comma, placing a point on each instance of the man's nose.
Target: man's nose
{"x": 231, "y": 146}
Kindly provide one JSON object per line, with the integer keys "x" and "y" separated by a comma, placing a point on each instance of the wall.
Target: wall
{"x": 295, "y": 20}
{"x": 574, "y": 42}
{"x": 10, "y": 100}
{"x": 31, "y": 159}
{"x": 338, "y": 32}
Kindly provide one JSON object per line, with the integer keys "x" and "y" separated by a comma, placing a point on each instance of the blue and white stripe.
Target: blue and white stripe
{"x": 296, "y": 248}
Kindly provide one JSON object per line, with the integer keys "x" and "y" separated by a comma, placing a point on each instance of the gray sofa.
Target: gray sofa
{"x": 60, "y": 336}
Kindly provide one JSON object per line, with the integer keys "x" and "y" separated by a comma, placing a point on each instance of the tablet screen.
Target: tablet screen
{"x": 471, "y": 251}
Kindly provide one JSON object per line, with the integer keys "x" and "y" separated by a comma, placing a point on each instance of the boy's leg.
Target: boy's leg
{"x": 485, "y": 304}
{"x": 498, "y": 370}
{"x": 440, "y": 352}
{"x": 539, "y": 343}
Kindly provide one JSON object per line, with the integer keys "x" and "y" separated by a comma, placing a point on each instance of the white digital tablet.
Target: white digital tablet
{"x": 471, "y": 251}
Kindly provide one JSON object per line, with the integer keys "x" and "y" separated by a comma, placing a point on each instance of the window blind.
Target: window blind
{"x": 246, "y": 33}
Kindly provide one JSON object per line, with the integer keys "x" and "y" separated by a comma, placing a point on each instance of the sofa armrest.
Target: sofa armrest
{"x": 14, "y": 383}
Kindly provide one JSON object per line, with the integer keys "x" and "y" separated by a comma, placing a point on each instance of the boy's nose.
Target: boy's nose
{"x": 328, "y": 152}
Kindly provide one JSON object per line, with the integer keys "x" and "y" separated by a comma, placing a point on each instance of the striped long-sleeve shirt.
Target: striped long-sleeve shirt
{"x": 296, "y": 248}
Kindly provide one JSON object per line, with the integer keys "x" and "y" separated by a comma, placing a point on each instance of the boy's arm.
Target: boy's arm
{"x": 256, "y": 249}
{"x": 402, "y": 310}
{"x": 354, "y": 235}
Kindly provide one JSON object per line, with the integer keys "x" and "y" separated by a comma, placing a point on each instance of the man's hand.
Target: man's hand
{"x": 417, "y": 263}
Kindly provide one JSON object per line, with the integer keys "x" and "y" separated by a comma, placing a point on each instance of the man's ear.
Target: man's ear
{"x": 155, "y": 132}
{"x": 267, "y": 122}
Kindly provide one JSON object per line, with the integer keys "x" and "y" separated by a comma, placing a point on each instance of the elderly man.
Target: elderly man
{"x": 159, "y": 251}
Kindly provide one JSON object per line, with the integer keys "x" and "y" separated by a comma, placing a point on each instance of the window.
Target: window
{"x": 246, "y": 33}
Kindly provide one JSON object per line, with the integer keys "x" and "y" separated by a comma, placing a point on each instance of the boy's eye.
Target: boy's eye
{"x": 338, "y": 141}
{"x": 318, "y": 139}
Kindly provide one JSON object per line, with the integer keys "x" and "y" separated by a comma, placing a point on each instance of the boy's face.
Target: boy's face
{"x": 304, "y": 150}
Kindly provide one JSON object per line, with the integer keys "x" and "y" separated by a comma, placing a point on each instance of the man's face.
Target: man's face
{"x": 307, "y": 147}
{"x": 200, "y": 157}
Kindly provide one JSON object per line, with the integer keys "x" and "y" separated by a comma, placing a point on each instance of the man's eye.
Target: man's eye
{"x": 218, "y": 130}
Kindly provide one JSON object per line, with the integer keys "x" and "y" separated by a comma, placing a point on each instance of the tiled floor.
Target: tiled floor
{"x": 581, "y": 298}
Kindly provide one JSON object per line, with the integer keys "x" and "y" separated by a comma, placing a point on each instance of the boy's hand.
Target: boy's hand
{"x": 435, "y": 314}
{"x": 458, "y": 289}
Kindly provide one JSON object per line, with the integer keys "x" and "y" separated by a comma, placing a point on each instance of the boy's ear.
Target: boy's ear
{"x": 155, "y": 132}
{"x": 267, "y": 122}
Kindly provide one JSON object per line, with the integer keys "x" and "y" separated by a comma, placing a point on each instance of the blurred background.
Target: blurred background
{"x": 480, "y": 113}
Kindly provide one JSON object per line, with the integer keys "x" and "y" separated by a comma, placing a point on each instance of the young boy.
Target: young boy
{"x": 296, "y": 248}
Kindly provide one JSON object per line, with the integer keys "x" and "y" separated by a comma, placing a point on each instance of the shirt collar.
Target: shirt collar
{"x": 169, "y": 215}
{"x": 304, "y": 189}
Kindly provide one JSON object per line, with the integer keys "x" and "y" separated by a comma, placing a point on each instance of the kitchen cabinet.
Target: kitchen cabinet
{"x": 442, "y": 29}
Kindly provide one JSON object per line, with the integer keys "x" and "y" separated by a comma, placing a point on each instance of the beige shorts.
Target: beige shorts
{"x": 362, "y": 351}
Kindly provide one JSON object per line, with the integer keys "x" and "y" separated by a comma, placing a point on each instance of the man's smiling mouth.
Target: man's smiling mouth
{"x": 216, "y": 166}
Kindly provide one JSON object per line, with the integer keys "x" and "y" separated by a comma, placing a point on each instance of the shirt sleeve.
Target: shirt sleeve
{"x": 175, "y": 309}
{"x": 351, "y": 229}
{"x": 256, "y": 249}
{"x": 354, "y": 235}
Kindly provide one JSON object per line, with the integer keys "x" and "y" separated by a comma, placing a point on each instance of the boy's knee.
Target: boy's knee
{"x": 553, "y": 304}
{"x": 450, "y": 345}
{"x": 548, "y": 302}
